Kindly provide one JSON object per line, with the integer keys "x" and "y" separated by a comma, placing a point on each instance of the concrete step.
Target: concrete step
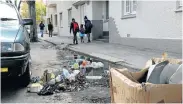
{"x": 105, "y": 37}
{"x": 103, "y": 40}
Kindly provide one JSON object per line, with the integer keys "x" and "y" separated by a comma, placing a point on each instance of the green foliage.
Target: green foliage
{"x": 40, "y": 11}
{"x": 24, "y": 10}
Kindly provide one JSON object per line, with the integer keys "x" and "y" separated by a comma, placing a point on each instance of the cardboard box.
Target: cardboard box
{"x": 125, "y": 88}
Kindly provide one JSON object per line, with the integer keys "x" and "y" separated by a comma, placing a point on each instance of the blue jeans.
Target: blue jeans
{"x": 41, "y": 32}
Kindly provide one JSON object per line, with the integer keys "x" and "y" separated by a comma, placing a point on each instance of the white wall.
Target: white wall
{"x": 62, "y": 7}
{"x": 154, "y": 19}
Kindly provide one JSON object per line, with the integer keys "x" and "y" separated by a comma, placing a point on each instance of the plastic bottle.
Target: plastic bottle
{"x": 66, "y": 73}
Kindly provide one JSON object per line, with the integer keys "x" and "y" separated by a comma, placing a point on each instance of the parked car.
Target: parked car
{"x": 28, "y": 29}
{"x": 15, "y": 44}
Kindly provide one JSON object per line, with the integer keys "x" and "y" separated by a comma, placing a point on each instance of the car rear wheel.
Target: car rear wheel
{"x": 25, "y": 78}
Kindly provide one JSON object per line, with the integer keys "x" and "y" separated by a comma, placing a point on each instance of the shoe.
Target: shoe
{"x": 76, "y": 43}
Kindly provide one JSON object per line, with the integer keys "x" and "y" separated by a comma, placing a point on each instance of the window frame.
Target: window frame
{"x": 107, "y": 10}
{"x": 61, "y": 19}
{"x": 69, "y": 16}
{"x": 178, "y": 6}
{"x": 131, "y": 13}
{"x": 56, "y": 20}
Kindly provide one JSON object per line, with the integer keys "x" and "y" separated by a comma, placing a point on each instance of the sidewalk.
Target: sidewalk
{"x": 130, "y": 57}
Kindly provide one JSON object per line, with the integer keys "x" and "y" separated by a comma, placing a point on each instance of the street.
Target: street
{"x": 45, "y": 56}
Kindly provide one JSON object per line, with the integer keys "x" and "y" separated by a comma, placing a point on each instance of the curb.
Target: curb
{"x": 48, "y": 41}
{"x": 120, "y": 63}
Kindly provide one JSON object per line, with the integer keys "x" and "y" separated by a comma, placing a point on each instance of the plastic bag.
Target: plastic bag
{"x": 66, "y": 73}
{"x": 100, "y": 64}
{"x": 58, "y": 78}
{"x": 76, "y": 66}
{"x": 176, "y": 78}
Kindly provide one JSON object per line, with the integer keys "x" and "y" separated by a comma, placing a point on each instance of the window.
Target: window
{"x": 129, "y": 8}
{"x": 51, "y": 19}
{"x": 56, "y": 20}
{"x": 48, "y": 20}
{"x": 82, "y": 13}
{"x": 10, "y": 12}
{"x": 69, "y": 16}
{"x": 107, "y": 9}
{"x": 179, "y": 6}
{"x": 60, "y": 19}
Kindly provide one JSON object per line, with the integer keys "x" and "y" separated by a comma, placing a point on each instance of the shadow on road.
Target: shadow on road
{"x": 9, "y": 89}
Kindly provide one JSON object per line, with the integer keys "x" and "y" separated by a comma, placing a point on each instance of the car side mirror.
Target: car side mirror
{"x": 27, "y": 22}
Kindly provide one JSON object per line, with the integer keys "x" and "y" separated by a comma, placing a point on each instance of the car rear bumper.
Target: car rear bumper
{"x": 16, "y": 65}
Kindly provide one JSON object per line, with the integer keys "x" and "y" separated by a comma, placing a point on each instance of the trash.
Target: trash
{"x": 35, "y": 79}
{"x": 52, "y": 81}
{"x": 93, "y": 77}
{"x": 82, "y": 57}
{"x": 100, "y": 65}
{"x": 94, "y": 65}
{"x": 47, "y": 76}
{"x": 75, "y": 56}
{"x": 78, "y": 60}
{"x": 83, "y": 70}
{"x": 58, "y": 78}
{"x": 46, "y": 90}
{"x": 154, "y": 72}
{"x": 176, "y": 78}
{"x": 34, "y": 88}
{"x": 66, "y": 73}
{"x": 76, "y": 66}
{"x": 134, "y": 92}
{"x": 84, "y": 63}
{"x": 167, "y": 72}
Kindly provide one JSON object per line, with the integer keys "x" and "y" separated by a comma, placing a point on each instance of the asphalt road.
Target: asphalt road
{"x": 45, "y": 56}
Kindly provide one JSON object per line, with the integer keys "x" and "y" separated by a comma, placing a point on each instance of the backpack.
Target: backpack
{"x": 75, "y": 26}
{"x": 89, "y": 24}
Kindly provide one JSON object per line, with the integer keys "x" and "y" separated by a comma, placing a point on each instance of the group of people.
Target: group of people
{"x": 84, "y": 29}
{"x": 74, "y": 27}
{"x": 50, "y": 28}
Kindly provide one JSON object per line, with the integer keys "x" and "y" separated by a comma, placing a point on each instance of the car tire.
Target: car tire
{"x": 25, "y": 78}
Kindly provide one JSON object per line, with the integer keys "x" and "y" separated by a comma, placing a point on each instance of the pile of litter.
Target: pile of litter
{"x": 72, "y": 77}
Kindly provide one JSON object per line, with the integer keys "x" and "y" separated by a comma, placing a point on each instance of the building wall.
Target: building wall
{"x": 156, "y": 26}
{"x": 62, "y": 7}
{"x": 154, "y": 19}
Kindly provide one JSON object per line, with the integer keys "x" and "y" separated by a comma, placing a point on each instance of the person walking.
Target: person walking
{"x": 75, "y": 28}
{"x": 88, "y": 27}
{"x": 82, "y": 32}
{"x": 41, "y": 26}
{"x": 50, "y": 29}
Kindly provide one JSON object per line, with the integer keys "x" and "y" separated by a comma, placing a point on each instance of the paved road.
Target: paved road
{"x": 45, "y": 56}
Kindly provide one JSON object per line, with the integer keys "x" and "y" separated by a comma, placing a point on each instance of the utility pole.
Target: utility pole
{"x": 32, "y": 12}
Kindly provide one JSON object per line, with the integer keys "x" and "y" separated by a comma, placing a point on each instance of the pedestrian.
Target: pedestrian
{"x": 82, "y": 32}
{"x": 88, "y": 27}
{"x": 75, "y": 28}
{"x": 41, "y": 25}
{"x": 50, "y": 29}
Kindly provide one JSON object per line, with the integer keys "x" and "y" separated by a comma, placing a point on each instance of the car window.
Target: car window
{"x": 8, "y": 11}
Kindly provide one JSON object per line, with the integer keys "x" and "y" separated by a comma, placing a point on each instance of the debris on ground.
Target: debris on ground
{"x": 72, "y": 77}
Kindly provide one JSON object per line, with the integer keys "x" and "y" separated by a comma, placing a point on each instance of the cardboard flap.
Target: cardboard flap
{"x": 127, "y": 74}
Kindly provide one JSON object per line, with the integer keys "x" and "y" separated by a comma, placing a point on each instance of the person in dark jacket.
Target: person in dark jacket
{"x": 74, "y": 27}
{"x": 50, "y": 29}
{"x": 41, "y": 25}
{"x": 88, "y": 27}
